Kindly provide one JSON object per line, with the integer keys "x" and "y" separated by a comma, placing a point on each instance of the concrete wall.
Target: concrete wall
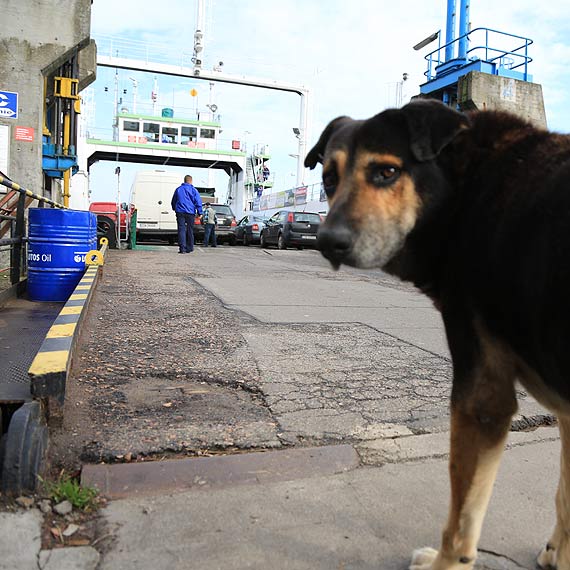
{"x": 478, "y": 90}
{"x": 36, "y": 37}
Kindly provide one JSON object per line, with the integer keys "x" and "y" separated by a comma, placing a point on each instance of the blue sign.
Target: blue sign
{"x": 8, "y": 105}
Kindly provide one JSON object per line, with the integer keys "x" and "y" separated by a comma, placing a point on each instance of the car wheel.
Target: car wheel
{"x": 232, "y": 240}
{"x": 246, "y": 240}
{"x": 281, "y": 242}
{"x": 262, "y": 240}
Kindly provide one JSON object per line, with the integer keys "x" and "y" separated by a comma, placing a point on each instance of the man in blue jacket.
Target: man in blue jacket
{"x": 186, "y": 202}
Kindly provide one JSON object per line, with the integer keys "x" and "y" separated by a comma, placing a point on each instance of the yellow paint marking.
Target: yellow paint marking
{"x": 83, "y": 287}
{"x": 78, "y": 297}
{"x": 58, "y": 331}
{"x": 71, "y": 310}
{"x": 46, "y": 362}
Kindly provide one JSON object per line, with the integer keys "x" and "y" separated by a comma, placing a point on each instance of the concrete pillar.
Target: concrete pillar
{"x": 36, "y": 38}
{"x": 481, "y": 91}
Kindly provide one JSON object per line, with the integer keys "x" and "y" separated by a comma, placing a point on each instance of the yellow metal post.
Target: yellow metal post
{"x": 67, "y": 173}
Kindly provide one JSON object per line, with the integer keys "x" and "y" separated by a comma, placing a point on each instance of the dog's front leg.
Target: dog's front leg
{"x": 556, "y": 553}
{"x": 477, "y": 443}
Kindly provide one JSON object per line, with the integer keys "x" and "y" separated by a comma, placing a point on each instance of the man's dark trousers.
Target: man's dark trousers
{"x": 185, "y": 232}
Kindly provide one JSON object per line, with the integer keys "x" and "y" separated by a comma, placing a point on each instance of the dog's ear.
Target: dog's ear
{"x": 317, "y": 153}
{"x": 432, "y": 126}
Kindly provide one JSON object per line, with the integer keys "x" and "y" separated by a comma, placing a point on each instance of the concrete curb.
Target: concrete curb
{"x": 49, "y": 370}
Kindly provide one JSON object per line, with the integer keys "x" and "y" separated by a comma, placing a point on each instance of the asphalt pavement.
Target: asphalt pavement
{"x": 245, "y": 407}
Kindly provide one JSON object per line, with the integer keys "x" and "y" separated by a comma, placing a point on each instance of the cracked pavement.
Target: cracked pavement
{"x": 244, "y": 348}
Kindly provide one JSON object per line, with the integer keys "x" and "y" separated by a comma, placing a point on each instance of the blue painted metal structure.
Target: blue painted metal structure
{"x": 55, "y": 162}
{"x": 481, "y": 49}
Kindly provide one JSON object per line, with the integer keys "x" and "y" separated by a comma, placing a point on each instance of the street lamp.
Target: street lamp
{"x": 299, "y": 156}
{"x": 427, "y": 41}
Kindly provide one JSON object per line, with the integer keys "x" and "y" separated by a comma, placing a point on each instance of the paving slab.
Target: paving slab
{"x": 369, "y": 518}
{"x": 76, "y": 558}
{"x": 20, "y": 540}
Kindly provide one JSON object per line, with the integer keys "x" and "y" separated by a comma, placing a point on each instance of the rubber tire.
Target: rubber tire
{"x": 24, "y": 450}
{"x": 232, "y": 240}
{"x": 106, "y": 228}
{"x": 263, "y": 241}
{"x": 246, "y": 240}
{"x": 281, "y": 242}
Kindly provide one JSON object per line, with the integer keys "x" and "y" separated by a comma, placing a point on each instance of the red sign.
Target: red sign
{"x": 236, "y": 145}
{"x": 24, "y": 134}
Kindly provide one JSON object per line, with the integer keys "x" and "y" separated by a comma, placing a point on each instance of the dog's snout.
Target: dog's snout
{"x": 334, "y": 243}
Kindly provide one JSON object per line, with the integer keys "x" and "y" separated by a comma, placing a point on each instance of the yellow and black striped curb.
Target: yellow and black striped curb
{"x": 49, "y": 370}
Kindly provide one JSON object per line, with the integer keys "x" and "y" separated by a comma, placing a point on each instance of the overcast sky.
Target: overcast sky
{"x": 351, "y": 55}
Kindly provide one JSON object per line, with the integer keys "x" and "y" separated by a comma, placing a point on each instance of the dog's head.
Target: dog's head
{"x": 374, "y": 176}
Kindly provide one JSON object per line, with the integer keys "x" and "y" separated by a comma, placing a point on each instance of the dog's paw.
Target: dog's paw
{"x": 547, "y": 558}
{"x": 423, "y": 558}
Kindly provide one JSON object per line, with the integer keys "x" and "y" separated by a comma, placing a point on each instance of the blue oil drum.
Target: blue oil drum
{"x": 58, "y": 241}
{"x": 93, "y": 230}
{"x": 167, "y": 112}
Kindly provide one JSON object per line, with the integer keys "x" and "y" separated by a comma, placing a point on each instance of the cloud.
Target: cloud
{"x": 350, "y": 54}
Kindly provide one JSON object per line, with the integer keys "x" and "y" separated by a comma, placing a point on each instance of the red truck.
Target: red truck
{"x": 107, "y": 220}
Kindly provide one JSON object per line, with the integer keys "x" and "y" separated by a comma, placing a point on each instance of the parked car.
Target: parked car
{"x": 287, "y": 228}
{"x": 249, "y": 229}
{"x": 224, "y": 229}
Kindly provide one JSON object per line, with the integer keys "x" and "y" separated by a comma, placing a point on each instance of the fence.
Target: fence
{"x": 13, "y": 207}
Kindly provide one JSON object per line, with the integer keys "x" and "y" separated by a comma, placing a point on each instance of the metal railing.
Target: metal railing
{"x": 17, "y": 241}
{"x": 148, "y": 52}
{"x": 507, "y": 52}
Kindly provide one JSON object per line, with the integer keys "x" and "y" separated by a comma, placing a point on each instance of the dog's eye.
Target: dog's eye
{"x": 330, "y": 180}
{"x": 382, "y": 175}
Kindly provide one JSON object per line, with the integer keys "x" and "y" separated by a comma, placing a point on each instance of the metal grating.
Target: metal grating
{"x": 23, "y": 326}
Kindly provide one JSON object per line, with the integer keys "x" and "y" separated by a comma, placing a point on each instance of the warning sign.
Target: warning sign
{"x": 24, "y": 134}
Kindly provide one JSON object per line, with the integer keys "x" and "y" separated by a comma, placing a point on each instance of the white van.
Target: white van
{"x": 151, "y": 194}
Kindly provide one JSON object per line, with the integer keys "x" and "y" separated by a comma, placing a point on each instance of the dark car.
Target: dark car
{"x": 286, "y": 228}
{"x": 224, "y": 229}
{"x": 249, "y": 229}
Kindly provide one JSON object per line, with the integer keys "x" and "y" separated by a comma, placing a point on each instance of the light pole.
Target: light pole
{"x": 135, "y": 89}
{"x": 299, "y": 156}
{"x": 118, "y": 228}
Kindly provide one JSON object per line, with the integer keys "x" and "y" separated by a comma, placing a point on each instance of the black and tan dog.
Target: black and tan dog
{"x": 475, "y": 211}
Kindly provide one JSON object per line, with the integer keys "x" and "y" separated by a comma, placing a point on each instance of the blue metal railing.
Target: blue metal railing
{"x": 506, "y": 56}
